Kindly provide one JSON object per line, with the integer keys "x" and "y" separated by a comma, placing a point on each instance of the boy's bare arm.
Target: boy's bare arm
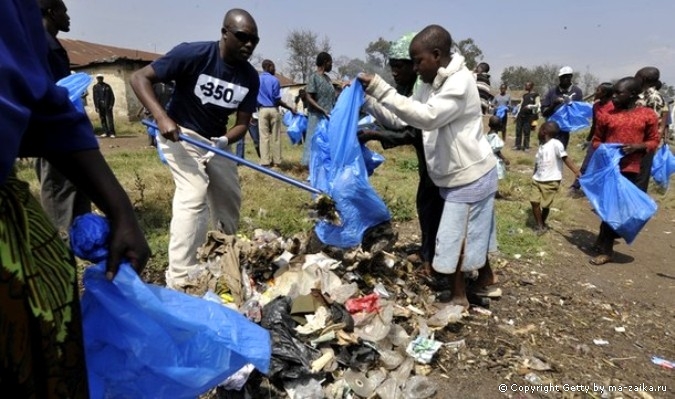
{"x": 572, "y": 167}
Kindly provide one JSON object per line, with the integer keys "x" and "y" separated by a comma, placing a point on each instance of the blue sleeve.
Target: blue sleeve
{"x": 276, "y": 90}
{"x": 36, "y": 116}
{"x": 177, "y": 62}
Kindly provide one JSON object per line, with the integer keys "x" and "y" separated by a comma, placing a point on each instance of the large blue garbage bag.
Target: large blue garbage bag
{"x": 663, "y": 166}
{"x": 145, "y": 341}
{"x": 573, "y": 117}
{"x": 618, "y": 202}
{"x": 337, "y": 167}
{"x": 76, "y": 84}
{"x": 296, "y": 124}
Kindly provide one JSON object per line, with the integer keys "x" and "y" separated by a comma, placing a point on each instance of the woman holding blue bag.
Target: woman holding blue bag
{"x": 636, "y": 128}
{"x": 41, "y": 336}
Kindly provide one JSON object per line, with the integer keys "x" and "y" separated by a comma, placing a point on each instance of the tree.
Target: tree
{"x": 542, "y": 76}
{"x": 471, "y": 52}
{"x": 377, "y": 52}
{"x": 303, "y": 47}
{"x": 667, "y": 90}
{"x": 589, "y": 82}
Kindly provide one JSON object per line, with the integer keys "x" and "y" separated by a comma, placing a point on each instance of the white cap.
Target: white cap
{"x": 99, "y": 75}
{"x": 566, "y": 70}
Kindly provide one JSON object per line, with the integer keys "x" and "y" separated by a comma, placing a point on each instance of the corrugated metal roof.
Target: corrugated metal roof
{"x": 83, "y": 53}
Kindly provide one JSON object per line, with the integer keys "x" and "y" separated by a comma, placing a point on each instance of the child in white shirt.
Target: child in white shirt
{"x": 494, "y": 123}
{"x": 548, "y": 173}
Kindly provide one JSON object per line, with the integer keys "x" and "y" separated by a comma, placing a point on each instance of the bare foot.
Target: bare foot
{"x": 462, "y": 301}
{"x": 486, "y": 277}
{"x": 424, "y": 270}
{"x": 600, "y": 259}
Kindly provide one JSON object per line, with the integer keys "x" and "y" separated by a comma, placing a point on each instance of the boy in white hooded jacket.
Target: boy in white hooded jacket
{"x": 459, "y": 158}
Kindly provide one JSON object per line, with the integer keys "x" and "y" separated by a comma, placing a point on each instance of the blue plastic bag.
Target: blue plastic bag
{"x": 337, "y": 167}
{"x": 296, "y": 128}
{"x": 371, "y": 158}
{"x": 663, "y": 166}
{"x": 154, "y": 132}
{"x": 501, "y": 111}
{"x": 145, "y": 341}
{"x": 618, "y": 202}
{"x": 76, "y": 84}
{"x": 573, "y": 117}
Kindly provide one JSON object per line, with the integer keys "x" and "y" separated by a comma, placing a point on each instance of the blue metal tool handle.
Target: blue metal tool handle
{"x": 242, "y": 161}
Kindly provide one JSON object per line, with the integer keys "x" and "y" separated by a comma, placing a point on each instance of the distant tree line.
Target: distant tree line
{"x": 304, "y": 45}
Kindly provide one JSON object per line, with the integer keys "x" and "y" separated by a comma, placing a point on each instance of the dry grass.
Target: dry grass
{"x": 270, "y": 204}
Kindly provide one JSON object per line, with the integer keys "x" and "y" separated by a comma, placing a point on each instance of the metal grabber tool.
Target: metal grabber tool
{"x": 323, "y": 203}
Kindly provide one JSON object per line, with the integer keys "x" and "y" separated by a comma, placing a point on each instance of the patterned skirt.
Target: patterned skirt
{"x": 41, "y": 345}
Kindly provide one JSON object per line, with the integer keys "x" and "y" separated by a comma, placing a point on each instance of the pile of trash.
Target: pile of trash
{"x": 344, "y": 323}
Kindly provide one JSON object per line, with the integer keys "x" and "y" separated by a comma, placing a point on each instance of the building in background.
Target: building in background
{"x": 116, "y": 64}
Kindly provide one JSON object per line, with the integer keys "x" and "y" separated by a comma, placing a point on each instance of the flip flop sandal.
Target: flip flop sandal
{"x": 488, "y": 292}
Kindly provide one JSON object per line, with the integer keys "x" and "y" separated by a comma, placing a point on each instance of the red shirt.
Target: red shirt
{"x": 633, "y": 126}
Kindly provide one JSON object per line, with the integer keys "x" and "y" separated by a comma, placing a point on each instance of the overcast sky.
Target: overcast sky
{"x": 611, "y": 39}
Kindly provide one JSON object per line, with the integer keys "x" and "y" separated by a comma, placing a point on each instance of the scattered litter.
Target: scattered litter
{"x": 533, "y": 379}
{"x": 534, "y": 363}
{"x": 600, "y": 342}
{"x": 445, "y": 316}
{"x": 482, "y": 311}
{"x": 663, "y": 363}
{"x": 369, "y": 304}
{"x": 381, "y": 291}
{"x": 419, "y": 387}
{"x": 359, "y": 383}
{"x": 620, "y": 329}
{"x": 423, "y": 349}
{"x": 517, "y": 256}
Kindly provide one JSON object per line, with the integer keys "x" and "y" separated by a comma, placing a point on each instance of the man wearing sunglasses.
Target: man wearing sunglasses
{"x": 213, "y": 80}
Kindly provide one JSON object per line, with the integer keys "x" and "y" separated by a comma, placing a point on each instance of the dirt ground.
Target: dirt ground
{"x": 562, "y": 323}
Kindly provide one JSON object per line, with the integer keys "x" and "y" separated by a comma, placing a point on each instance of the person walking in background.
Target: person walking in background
{"x": 104, "y": 100}
{"x": 527, "y": 111}
{"x": 41, "y": 339}
{"x": 428, "y": 199}
{"x": 502, "y": 103}
{"x": 61, "y": 200}
{"x": 564, "y": 93}
{"x": 651, "y": 98}
{"x": 269, "y": 119}
{"x": 548, "y": 174}
{"x": 255, "y": 137}
{"x": 213, "y": 80}
{"x": 482, "y": 76}
{"x": 320, "y": 98}
{"x": 446, "y": 108}
{"x": 637, "y": 129}
{"x": 163, "y": 93}
{"x": 496, "y": 143}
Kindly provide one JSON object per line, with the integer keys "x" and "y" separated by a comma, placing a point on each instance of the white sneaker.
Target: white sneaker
{"x": 112, "y": 136}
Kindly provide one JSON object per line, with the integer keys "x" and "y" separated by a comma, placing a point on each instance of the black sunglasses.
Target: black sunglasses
{"x": 244, "y": 37}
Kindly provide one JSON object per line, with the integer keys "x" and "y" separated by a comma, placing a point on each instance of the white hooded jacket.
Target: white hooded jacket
{"x": 448, "y": 112}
